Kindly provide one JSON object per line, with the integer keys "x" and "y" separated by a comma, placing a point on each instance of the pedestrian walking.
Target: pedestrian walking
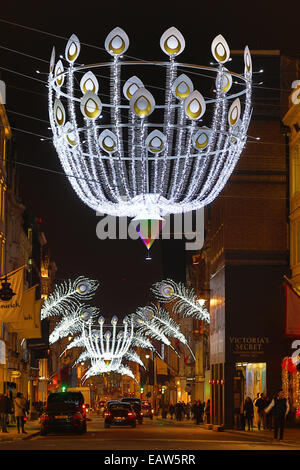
{"x": 171, "y": 410}
{"x": 197, "y": 414}
{"x": 280, "y": 408}
{"x": 188, "y": 411}
{"x": 255, "y": 414}
{"x": 261, "y": 404}
{"x": 4, "y": 411}
{"x": 249, "y": 413}
{"x": 194, "y": 409}
{"x": 20, "y": 412}
{"x": 207, "y": 411}
{"x": 268, "y": 416}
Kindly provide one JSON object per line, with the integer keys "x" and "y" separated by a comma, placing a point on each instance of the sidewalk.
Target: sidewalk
{"x": 291, "y": 435}
{"x": 32, "y": 428}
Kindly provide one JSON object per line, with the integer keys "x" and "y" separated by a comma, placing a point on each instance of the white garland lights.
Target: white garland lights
{"x": 152, "y": 158}
{"x": 185, "y": 300}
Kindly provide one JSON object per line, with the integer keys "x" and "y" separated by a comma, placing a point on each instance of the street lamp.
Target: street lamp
{"x": 6, "y": 292}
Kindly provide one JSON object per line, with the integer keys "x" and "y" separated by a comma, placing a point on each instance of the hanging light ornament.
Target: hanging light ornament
{"x": 149, "y": 158}
{"x": 185, "y": 300}
{"x": 72, "y": 321}
{"x": 68, "y": 296}
{"x": 106, "y": 348}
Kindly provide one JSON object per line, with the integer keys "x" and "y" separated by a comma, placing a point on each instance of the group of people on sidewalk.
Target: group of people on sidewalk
{"x": 17, "y": 409}
{"x": 271, "y": 414}
{"x": 198, "y": 411}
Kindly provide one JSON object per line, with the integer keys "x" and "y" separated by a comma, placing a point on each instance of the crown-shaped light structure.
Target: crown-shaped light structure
{"x": 132, "y": 146}
{"x": 106, "y": 349}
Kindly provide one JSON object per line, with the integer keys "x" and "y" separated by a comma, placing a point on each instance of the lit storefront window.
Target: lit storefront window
{"x": 254, "y": 378}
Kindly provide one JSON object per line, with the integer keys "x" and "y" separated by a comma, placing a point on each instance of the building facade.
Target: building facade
{"x": 248, "y": 259}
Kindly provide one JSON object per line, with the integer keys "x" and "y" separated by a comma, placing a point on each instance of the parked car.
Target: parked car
{"x": 65, "y": 411}
{"x": 119, "y": 414}
{"x": 147, "y": 410}
{"x": 137, "y": 406}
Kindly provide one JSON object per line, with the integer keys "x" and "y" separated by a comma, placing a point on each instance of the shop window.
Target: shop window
{"x": 253, "y": 376}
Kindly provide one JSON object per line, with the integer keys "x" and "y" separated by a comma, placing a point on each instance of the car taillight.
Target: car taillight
{"x": 76, "y": 416}
{"x": 141, "y": 413}
{"x": 107, "y": 414}
{"x": 130, "y": 413}
{"x": 45, "y": 418}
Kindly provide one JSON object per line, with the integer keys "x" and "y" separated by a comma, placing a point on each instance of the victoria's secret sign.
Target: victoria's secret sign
{"x": 248, "y": 344}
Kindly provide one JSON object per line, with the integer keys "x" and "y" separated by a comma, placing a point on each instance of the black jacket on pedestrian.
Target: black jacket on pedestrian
{"x": 4, "y": 404}
{"x": 261, "y": 404}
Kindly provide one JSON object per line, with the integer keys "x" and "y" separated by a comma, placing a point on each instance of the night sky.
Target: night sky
{"x": 69, "y": 225}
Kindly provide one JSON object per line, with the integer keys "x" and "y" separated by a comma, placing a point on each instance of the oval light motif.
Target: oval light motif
{"x": 117, "y": 42}
{"x": 142, "y": 103}
{"x": 72, "y": 49}
{"x": 172, "y": 42}
{"x": 70, "y": 134}
{"x": 90, "y": 105}
{"x": 89, "y": 83}
{"x": 155, "y": 142}
{"x": 247, "y": 61}
{"x": 182, "y": 87}
{"x": 234, "y": 112}
{"x": 59, "y": 113}
{"x": 86, "y": 314}
{"x": 108, "y": 141}
{"x": 58, "y": 73}
{"x": 101, "y": 320}
{"x": 201, "y": 139}
{"x": 166, "y": 290}
{"x": 83, "y": 288}
{"x": 220, "y": 49}
{"x": 226, "y": 82}
{"x": 114, "y": 320}
{"x": 194, "y": 105}
{"x": 148, "y": 313}
{"x": 52, "y": 60}
{"x": 131, "y": 86}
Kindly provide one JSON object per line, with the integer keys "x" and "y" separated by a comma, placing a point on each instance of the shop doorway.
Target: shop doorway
{"x": 249, "y": 381}
{"x": 253, "y": 375}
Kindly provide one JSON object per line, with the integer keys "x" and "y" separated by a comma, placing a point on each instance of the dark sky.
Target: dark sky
{"x": 69, "y": 225}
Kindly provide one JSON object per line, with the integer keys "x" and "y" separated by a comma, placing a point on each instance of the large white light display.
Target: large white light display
{"x": 146, "y": 152}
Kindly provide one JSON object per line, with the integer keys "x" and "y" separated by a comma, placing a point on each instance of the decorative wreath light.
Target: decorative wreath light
{"x": 149, "y": 156}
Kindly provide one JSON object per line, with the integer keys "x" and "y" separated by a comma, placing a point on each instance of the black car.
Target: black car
{"x": 65, "y": 411}
{"x": 136, "y": 405}
{"x": 119, "y": 414}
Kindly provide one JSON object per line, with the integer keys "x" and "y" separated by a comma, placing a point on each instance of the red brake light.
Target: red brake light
{"x": 77, "y": 416}
{"x": 131, "y": 413}
{"x": 107, "y": 413}
{"x": 45, "y": 418}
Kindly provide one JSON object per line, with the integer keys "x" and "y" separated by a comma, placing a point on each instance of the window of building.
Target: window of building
{"x": 254, "y": 379}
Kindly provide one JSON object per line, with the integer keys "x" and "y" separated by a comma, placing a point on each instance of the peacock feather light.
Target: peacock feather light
{"x": 185, "y": 301}
{"x": 68, "y": 296}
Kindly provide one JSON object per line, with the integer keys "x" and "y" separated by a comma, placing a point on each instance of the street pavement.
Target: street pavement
{"x": 158, "y": 434}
